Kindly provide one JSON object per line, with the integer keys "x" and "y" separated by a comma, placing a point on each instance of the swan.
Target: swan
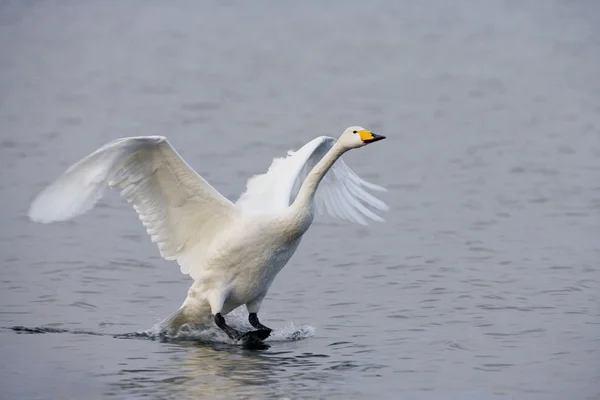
{"x": 232, "y": 251}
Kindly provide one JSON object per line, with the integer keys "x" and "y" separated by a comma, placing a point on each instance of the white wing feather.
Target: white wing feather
{"x": 179, "y": 209}
{"x": 340, "y": 194}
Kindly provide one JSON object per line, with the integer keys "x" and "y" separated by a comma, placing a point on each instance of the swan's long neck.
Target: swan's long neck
{"x": 308, "y": 189}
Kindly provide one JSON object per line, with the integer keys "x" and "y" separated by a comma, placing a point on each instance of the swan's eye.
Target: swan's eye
{"x": 354, "y": 132}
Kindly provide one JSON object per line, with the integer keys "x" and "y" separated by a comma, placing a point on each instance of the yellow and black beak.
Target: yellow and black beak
{"x": 369, "y": 137}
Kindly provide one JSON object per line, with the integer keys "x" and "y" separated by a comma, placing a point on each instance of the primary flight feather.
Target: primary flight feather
{"x": 232, "y": 251}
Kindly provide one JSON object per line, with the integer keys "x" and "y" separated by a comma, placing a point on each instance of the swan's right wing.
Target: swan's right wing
{"x": 341, "y": 193}
{"x": 179, "y": 209}
{"x": 273, "y": 190}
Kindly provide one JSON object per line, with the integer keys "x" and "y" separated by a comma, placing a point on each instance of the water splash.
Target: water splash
{"x": 209, "y": 333}
{"x": 197, "y": 333}
{"x": 292, "y": 333}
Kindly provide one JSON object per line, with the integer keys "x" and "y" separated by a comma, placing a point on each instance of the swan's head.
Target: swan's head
{"x": 355, "y": 137}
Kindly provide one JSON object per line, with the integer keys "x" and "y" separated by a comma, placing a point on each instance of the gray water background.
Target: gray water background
{"x": 483, "y": 281}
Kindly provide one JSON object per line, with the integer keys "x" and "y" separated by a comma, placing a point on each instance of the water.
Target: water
{"x": 482, "y": 283}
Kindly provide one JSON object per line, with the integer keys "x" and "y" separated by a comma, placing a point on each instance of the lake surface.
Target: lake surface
{"x": 482, "y": 283}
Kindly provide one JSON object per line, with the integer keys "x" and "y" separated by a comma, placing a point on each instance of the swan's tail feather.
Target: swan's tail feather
{"x": 175, "y": 321}
{"x": 185, "y": 315}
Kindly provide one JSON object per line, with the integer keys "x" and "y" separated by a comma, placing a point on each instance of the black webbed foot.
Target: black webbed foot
{"x": 253, "y": 319}
{"x": 231, "y": 332}
{"x": 260, "y": 334}
{"x": 250, "y": 339}
{"x": 253, "y": 340}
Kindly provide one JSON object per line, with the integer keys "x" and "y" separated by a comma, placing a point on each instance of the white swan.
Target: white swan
{"x": 232, "y": 251}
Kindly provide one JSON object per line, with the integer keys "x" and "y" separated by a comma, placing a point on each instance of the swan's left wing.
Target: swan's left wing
{"x": 340, "y": 194}
{"x": 180, "y": 210}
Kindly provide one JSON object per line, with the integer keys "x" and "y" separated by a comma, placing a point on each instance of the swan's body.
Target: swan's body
{"x": 232, "y": 251}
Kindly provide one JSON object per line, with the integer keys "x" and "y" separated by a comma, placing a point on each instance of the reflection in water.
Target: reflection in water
{"x": 215, "y": 369}
{"x": 203, "y": 362}
{"x": 257, "y": 373}
{"x": 224, "y": 371}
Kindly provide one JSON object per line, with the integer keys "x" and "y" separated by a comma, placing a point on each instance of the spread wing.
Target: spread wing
{"x": 180, "y": 210}
{"x": 340, "y": 194}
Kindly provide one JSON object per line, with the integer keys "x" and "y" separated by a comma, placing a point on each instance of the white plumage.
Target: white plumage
{"x": 341, "y": 193}
{"x": 232, "y": 251}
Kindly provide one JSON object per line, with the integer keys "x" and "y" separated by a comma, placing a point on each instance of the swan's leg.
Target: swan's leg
{"x": 253, "y": 318}
{"x": 231, "y": 332}
{"x": 253, "y": 308}
{"x": 216, "y": 301}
